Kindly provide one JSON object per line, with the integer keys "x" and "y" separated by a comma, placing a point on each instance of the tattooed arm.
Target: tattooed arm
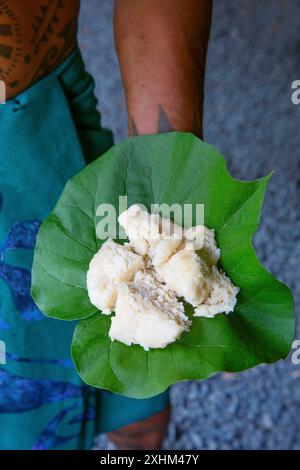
{"x": 161, "y": 45}
{"x": 34, "y": 39}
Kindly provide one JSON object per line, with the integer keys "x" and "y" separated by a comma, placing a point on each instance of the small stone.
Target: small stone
{"x": 228, "y": 376}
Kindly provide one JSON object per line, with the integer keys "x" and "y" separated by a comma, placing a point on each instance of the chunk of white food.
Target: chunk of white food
{"x": 145, "y": 230}
{"x": 222, "y": 297}
{"x": 161, "y": 251}
{"x": 147, "y": 313}
{"x": 204, "y": 241}
{"x": 187, "y": 275}
{"x": 112, "y": 264}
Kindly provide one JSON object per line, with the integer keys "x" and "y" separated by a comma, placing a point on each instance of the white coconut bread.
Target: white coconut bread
{"x": 144, "y": 281}
{"x": 112, "y": 264}
{"x": 147, "y": 313}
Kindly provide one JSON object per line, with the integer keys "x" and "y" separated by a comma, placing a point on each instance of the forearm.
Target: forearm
{"x": 161, "y": 45}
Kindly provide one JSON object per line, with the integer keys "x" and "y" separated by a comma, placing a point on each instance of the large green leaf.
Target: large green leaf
{"x": 168, "y": 168}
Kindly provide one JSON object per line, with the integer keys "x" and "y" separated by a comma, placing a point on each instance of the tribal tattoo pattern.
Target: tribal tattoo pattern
{"x": 10, "y": 42}
{"x": 35, "y": 40}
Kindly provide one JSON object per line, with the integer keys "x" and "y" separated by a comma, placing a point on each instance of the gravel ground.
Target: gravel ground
{"x": 253, "y": 59}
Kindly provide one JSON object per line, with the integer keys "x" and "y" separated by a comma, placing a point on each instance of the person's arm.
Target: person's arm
{"x": 161, "y": 45}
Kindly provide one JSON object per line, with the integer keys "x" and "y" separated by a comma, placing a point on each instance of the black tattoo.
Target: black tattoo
{"x": 5, "y": 30}
{"x": 53, "y": 37}
{"x": 44, "y": 22}
{"x": 133, "y": 130}
{"x": 55, "y": 54}
{"x": 164, "y": 124}
{"x": 9, "y": 28}
{"x": 47, "y": 63}
{"x": 68, "y": 34}
{"x": 6, "y": 51}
